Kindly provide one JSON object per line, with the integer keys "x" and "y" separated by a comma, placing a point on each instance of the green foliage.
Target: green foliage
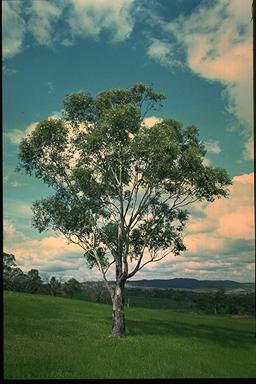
{"x": 13, "y": 277}
{"x": 121, "y": 121}
{"x": 121, "y": 188}
{"x": 191, "y": 300}
{"x": 41, "y": 152}
{"x": 16, "y": 280}
{"x": 54, "y": 286}
{"x": 9, "y": 262}
{"x": 95, "y": 292}
{"x": 79, "y": 107}
{"x": 101, "y": 254}
{"x": 72, "y": 286}
{"x": 33, "y": 281}
{"x": 62, "y": 213}
{"x": 140, "y": 95}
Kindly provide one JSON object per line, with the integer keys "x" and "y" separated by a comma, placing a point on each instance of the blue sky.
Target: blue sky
{"x": 197, "y": 52}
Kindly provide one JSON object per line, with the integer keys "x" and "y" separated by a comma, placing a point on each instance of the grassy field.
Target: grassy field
{"x": 51, "y": 338}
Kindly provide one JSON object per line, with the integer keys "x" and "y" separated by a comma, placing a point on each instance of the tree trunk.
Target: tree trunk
{"x": 118, "y": 320}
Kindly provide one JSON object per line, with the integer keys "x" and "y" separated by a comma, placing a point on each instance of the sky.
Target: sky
{"x": 197, "y": 52}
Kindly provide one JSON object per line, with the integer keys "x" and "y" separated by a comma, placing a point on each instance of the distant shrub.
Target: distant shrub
{"x": 71, "y": 287}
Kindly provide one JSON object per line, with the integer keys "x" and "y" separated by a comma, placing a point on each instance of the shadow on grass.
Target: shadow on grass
{"x": 217, "y": 334}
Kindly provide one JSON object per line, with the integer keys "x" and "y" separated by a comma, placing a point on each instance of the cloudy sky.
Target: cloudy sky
{"x": 197, "y": 52}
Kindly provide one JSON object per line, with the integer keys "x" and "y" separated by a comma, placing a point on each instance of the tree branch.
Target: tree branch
{"x": 153, "y": 259}
{"x": 141, "y": 206}
{"x": 135, "y": 185}
{"x": 91, "y": 248}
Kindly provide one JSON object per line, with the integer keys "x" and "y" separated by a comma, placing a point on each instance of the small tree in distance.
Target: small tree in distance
{"x": 54, "y": 286}
{"x": 121, "y": 188}
{"x": 72, "y": 286}
{"x": 13, "y": 277}
{"x": 34, "y": 281}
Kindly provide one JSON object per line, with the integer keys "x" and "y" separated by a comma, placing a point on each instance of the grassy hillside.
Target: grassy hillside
{"x": 52, "y": 337}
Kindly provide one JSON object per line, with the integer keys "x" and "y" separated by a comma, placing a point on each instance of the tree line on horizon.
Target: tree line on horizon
{"x": 216, "y": 301}
{"x": 15, "y": 279}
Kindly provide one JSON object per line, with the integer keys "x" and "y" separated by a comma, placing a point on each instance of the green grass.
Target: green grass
{"x": 52, "y": 338}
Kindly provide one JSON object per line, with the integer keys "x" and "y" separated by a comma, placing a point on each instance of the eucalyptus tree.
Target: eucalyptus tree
{"x": 34, "y": 281}
{"x": 13, "y": 277}
{"x": 54, "y": 286}
{"x": 121, "y": 188}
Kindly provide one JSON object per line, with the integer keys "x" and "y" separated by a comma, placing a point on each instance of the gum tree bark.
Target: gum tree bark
{"x": 118, "y": 318}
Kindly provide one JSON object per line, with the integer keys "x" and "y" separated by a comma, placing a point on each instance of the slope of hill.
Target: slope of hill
{"x": 49, "y": 337}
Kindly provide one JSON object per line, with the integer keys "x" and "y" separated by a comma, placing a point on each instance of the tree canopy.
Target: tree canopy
{"x": 121, "y": 188}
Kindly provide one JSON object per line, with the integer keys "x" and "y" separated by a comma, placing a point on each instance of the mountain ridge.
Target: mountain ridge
{"x": 187, "y": 283}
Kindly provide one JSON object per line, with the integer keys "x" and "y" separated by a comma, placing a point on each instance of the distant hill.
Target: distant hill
{"x": 188, "y": 283}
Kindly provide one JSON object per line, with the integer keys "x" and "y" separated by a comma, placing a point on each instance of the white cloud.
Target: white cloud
{"x": 212, "y": 146}
{"x": 28, "y": 250}
{"x": 30, "y": 128}
{"x": 80, "y": 18}
{"x": 55, "y": 115}
{"x": 50, "y": 87}
{"x": 219, "y": 239}
{"x": 90, "y": 17}
{"x": 163, "y": 52}
{"x": 206, "y": 162}
{"x": 9, "y": 229}
{"x": 51, "y": 254}
{"x": 158, "y": 48}
{"x": 151, "y": 120}
{"x": 10, "y": 234}
{"x": 17, "y": 209}
{"x": 11, "y": 178}
{"x": 203, "y": 267}
{"x": 249, "y": 149}
{"x": 16, "y": 184}
{"x": 13, "y": 28}
{"x": 217, "y": 40}
{"x": 9, "y": 71}
{"x": 42, "y": 15}
{"x": 246, "y": 179}
{"x": 230, "y": 218}
{"x": 16, "y": 135}
{"x": 238, "y": 224}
